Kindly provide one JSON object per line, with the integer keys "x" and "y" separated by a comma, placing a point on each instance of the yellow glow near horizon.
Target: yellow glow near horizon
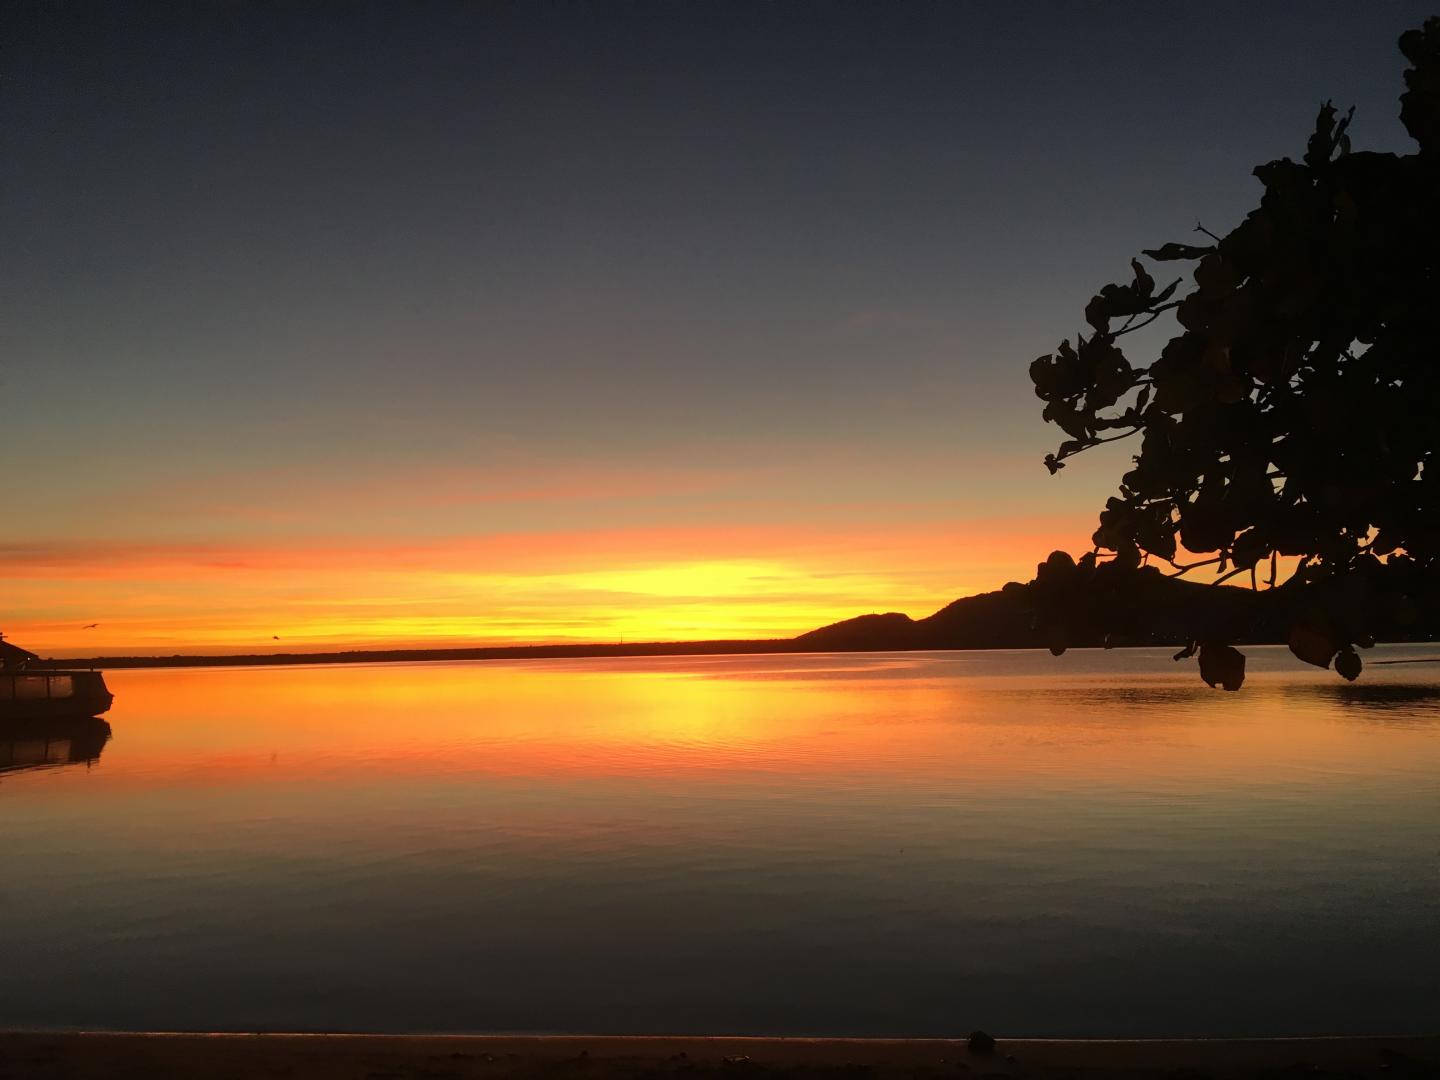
{"x": 646, "y": 585}
{"x": 713, "y": 578}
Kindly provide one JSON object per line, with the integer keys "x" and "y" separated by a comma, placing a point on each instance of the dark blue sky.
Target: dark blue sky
{"x": 651, "y": 198}
{"x": 335, "y": 238}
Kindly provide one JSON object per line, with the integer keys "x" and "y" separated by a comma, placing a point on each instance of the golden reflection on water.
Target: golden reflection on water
{"x": 866, "y": 845}
{"x": 867, "y": 720}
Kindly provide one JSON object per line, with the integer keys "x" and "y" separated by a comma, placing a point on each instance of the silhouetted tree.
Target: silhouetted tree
{"x": 1294, "y": 414}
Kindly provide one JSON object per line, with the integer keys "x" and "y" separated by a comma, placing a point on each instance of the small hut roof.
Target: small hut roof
{"x": 13, "y": 654}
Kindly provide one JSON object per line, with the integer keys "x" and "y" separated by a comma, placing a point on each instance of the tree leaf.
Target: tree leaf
{"x": 1172, "y": 252}
{"x": 1222, "y": 665}
{"x": 1312, "y": 644}
{"x": 1144, "y": 284}
{"x": 1057, "y": 640}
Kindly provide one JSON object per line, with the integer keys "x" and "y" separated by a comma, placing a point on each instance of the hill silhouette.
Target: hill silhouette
{"x": 1159, "y": 610}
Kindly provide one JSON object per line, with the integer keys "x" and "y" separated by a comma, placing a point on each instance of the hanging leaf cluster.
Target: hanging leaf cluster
{"x": 1292, "y": 419}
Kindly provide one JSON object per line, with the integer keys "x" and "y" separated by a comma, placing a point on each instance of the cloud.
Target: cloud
{"x": 539, "y": 551}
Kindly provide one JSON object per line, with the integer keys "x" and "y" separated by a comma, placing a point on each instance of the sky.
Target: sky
{"x": 345, "y": 324}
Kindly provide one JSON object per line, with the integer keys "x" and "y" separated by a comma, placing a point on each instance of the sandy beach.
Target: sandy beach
{"x": 85, "y": 1055}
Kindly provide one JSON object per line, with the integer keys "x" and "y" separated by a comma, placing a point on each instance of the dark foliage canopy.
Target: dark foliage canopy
{"x": 1292, "y": 421}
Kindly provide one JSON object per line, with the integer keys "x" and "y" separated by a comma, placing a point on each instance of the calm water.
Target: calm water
{"x": 872, "y": 845}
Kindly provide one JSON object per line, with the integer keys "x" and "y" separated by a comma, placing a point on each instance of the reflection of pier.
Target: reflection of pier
{"x": 40, "y": 744}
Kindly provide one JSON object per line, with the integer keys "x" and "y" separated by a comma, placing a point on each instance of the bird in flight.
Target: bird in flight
{"x": 90, "y": 626}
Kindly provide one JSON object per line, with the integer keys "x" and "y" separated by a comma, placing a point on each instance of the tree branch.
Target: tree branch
{"x": 1226, "y": 577}
{"x": 1155, "y": 314}
{"x": 1097, "y": 442}
{"x": 1182, "y": 570}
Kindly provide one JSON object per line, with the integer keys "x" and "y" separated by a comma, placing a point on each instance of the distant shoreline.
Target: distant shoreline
{"x": 43, "y": 1055}
{"x": 764, "y": 647}
{"x": 390, "y": 656}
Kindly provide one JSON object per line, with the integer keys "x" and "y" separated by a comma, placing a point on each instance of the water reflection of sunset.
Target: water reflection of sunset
{"x": 861, "y": 721}
{"x": 687, "y": 832}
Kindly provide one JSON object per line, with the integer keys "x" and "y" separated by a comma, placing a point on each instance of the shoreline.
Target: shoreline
{"x": 761, "y": 647}
{"x": 242, "y": 1056}
{"x": 758, "y": 647}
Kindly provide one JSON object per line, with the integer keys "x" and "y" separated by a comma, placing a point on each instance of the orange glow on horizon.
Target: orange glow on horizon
{"x": 659, "y": 584}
